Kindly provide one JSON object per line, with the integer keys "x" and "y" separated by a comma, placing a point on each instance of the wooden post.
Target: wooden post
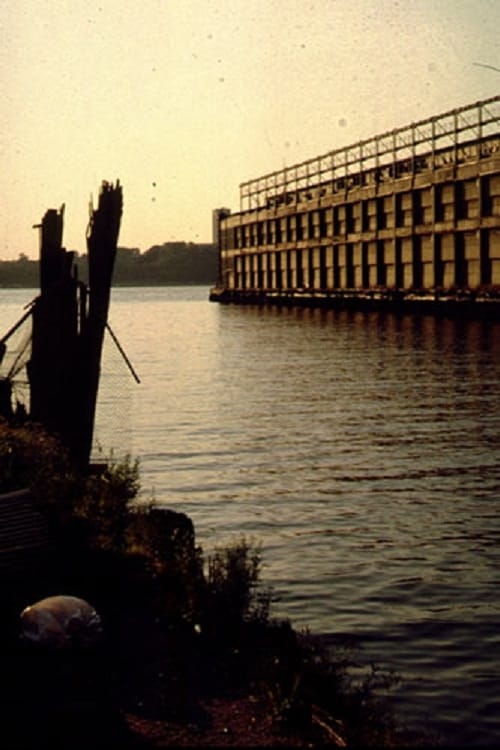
{"x": 52, "y": 369}
{"x": 68, "y": 326}
{"x": 102, "y": 238}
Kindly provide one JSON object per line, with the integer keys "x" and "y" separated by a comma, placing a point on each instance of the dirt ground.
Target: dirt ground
{"x": 228, "y": 723}
{"x": 232, "y": 722}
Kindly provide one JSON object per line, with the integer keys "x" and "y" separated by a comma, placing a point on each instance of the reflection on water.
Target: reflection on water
{"x": 360, "y": 449}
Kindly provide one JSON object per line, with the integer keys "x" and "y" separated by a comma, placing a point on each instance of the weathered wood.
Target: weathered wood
{"x": 53, "y": 367}
{"x": 51, "y": 251}
{"x": 24, "y": 538}
{"x": 102, "y": 240}
{"x": 69, "y": 321}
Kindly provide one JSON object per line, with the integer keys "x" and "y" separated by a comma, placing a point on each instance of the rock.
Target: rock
{"x": 61, "y": 622}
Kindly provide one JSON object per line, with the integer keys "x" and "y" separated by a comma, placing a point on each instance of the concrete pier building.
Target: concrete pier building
{"x": 406, "y": 216}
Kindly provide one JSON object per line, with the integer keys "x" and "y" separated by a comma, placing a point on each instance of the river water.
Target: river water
{"x": 361, "y": 450}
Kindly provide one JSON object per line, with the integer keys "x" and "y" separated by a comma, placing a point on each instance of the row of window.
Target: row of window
{"x": 295, "y": 192}
{"x": 462, "y": 260}
{"x": 420, "y": 207}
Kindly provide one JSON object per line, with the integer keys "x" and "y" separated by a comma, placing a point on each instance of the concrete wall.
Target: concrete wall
{"x": 437, "y": 228}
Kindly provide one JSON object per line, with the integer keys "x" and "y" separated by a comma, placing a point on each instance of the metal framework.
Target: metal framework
{"x": 427, "y": 144}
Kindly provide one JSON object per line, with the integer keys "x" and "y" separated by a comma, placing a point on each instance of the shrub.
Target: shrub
{"x": 234, "y": 591}
{"x": 30, "y": 458}
{"x": 166, "y": 541}
{"x": 104, "y": 499}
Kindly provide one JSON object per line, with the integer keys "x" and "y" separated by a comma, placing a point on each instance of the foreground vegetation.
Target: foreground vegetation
{"x": 181, "y": 632}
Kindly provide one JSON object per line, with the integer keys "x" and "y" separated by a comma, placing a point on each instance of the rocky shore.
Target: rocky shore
{"x": 188, "y": 653}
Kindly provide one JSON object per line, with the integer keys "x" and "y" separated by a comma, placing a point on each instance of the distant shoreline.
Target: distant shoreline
{"x": 170, "y": 264}
{"x": 208, "y": 284}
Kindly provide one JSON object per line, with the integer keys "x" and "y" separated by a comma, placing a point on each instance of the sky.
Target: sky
{"x": 183, "y": 100}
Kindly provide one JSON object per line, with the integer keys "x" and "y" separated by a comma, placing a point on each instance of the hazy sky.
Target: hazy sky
{"x": 182, "y": 100}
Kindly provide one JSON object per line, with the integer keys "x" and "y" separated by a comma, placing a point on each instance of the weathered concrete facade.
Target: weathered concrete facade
{"x": 413, "y": 212}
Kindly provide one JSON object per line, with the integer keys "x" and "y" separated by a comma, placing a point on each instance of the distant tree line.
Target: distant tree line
{"x": 173, "y": 263}
{"x": 21, "y": 272}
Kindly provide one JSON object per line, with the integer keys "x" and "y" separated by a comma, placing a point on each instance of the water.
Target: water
{"x": 360, "y": 450}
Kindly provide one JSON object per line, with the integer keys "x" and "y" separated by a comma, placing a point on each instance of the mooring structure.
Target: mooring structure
{"x": 68, "y": 321}
{"x": 411, "y": 215}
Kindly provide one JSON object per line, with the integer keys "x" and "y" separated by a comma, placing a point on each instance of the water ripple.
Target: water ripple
{"x": 362, "y": 450}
